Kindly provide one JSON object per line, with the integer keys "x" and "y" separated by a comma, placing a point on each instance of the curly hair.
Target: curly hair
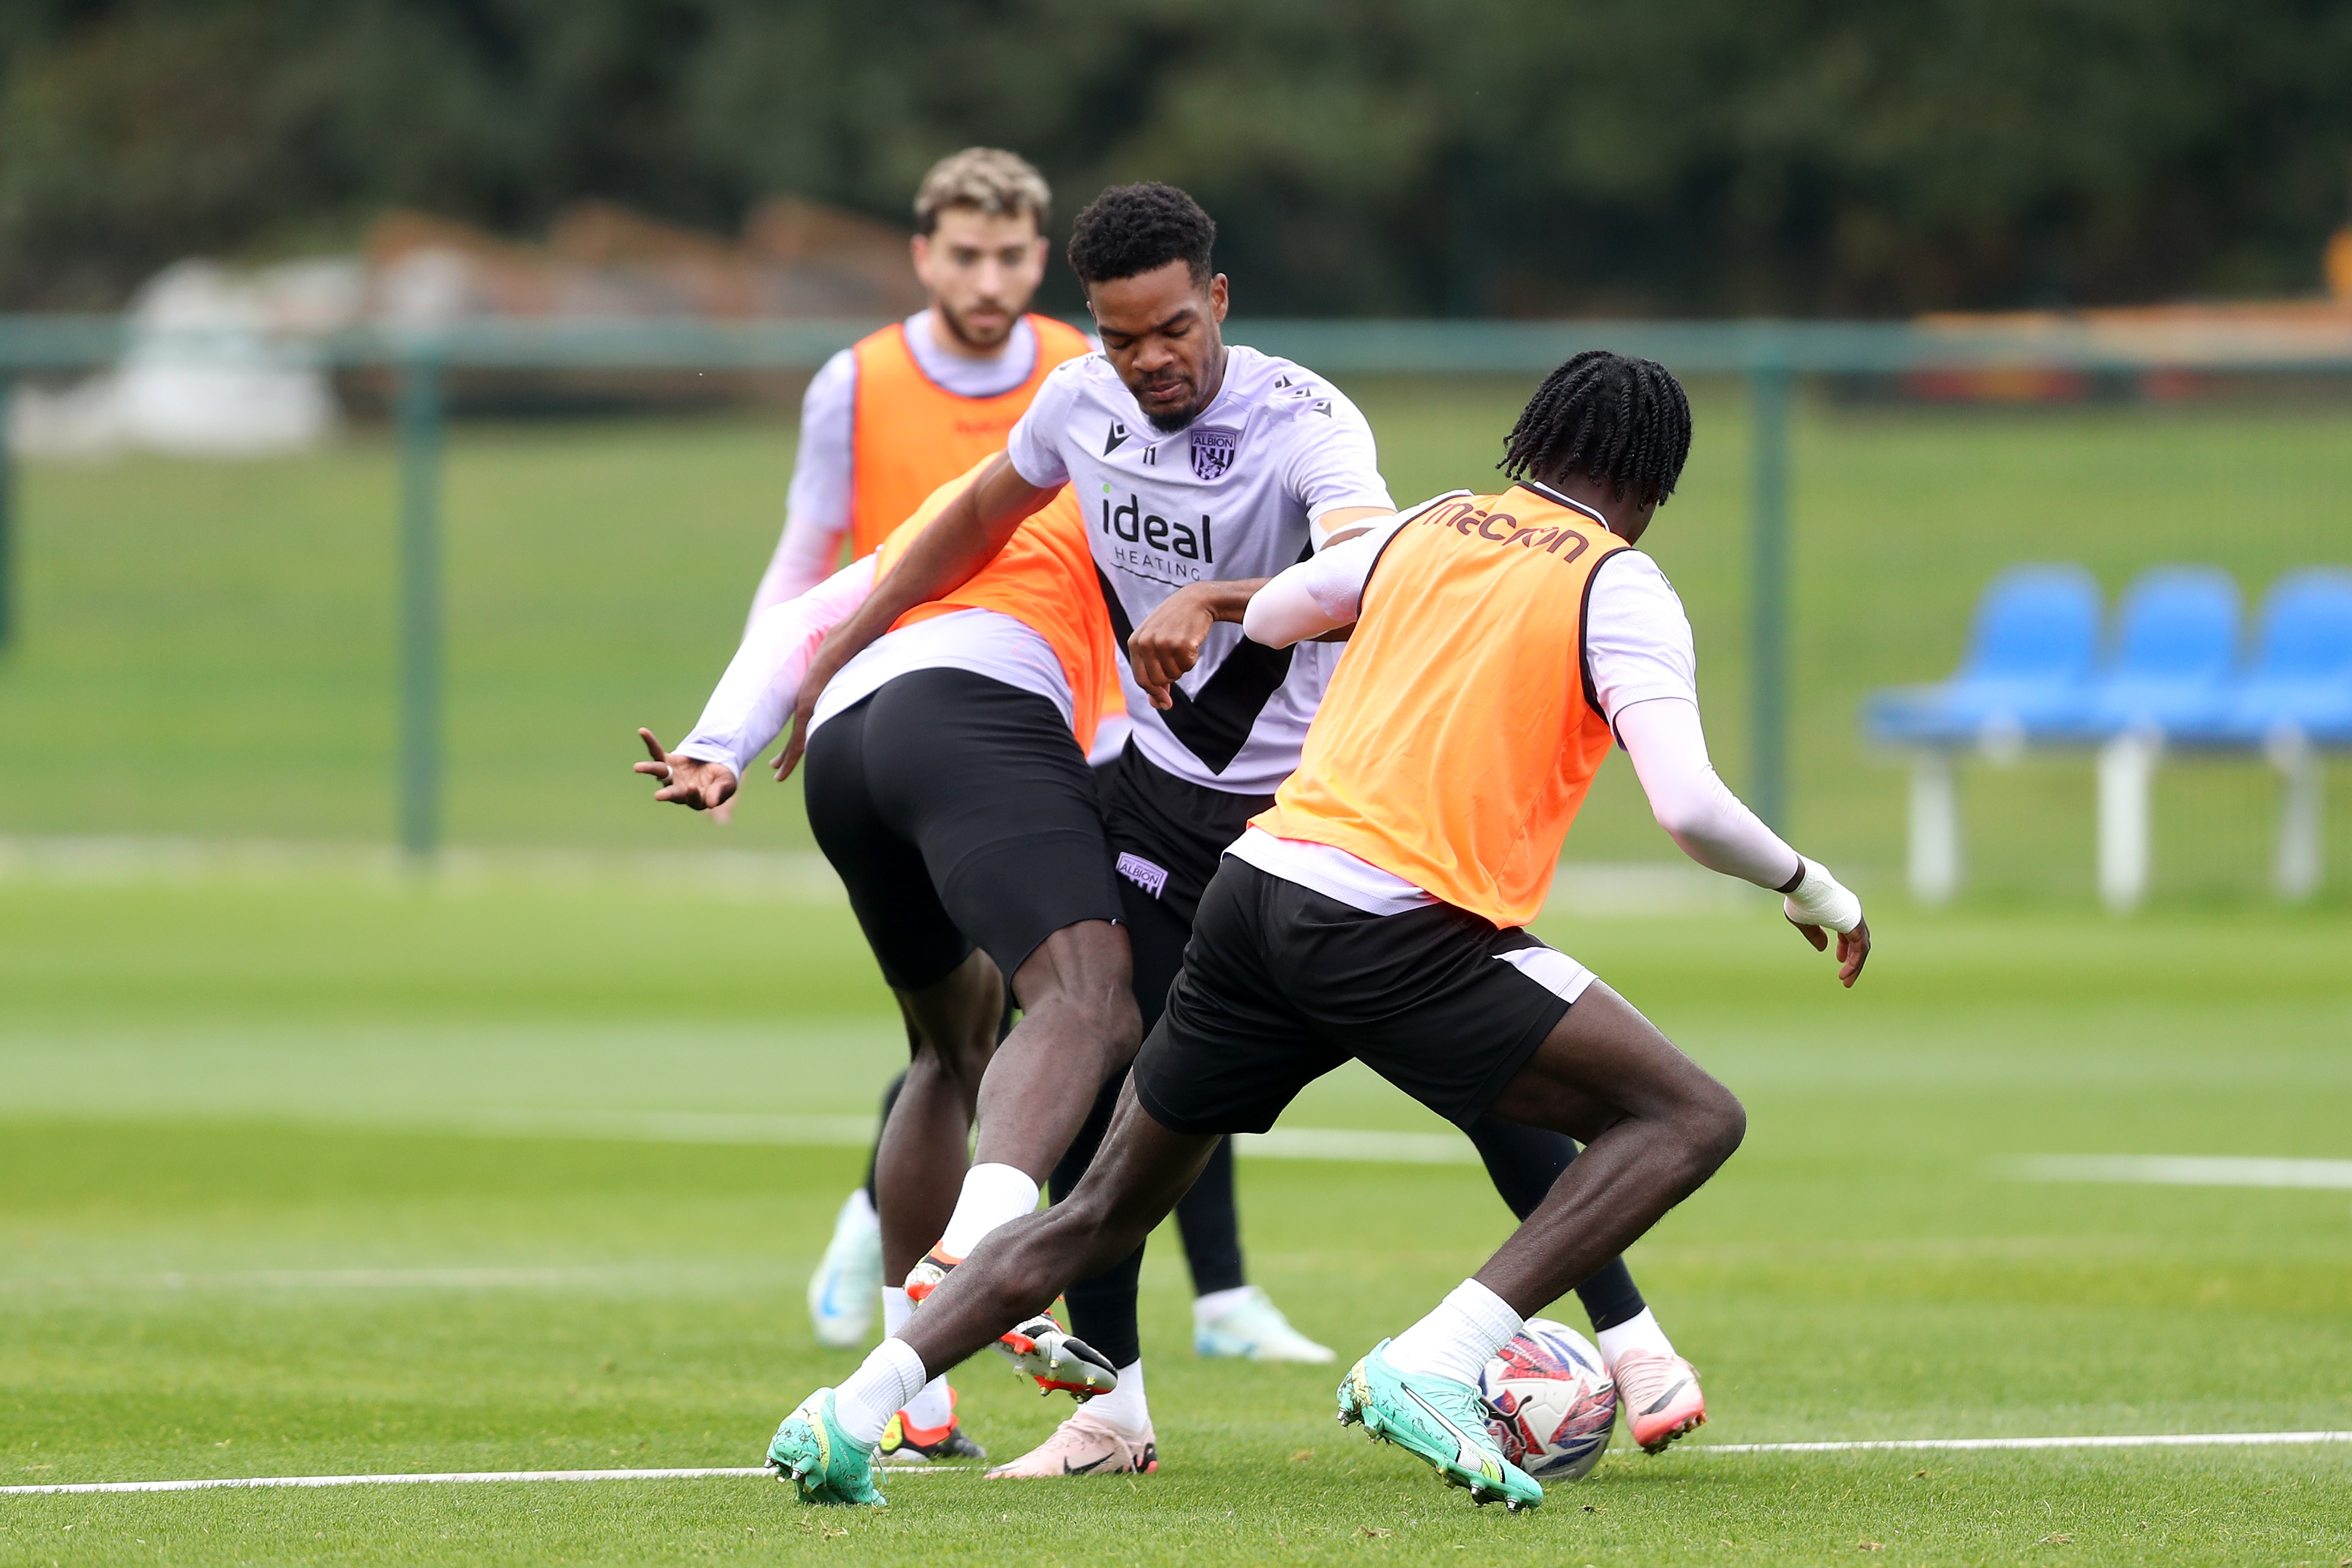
{"x": 1131, "y": 229}
{"x": 984, "y": 180}
{"x": 1622, "y": 422}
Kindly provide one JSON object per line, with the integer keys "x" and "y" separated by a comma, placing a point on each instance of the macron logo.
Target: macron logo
{"x": 1152, "y": 878}
{"x": 1117, "y": 439}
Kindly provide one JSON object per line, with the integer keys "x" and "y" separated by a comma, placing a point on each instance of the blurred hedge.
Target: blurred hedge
{"x": 1451, "y": 156}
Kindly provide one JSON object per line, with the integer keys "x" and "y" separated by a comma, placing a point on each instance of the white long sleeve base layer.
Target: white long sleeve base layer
{"x": 756, "y": 695}
{"x": 1644, "y": 668}
{"x": 1667, "y": 746}
{"x": 755, "y": 698}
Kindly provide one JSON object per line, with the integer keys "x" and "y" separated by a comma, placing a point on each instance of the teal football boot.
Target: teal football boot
{"x": 823, "y": 1463}
{"x": 1439, "y": 1420}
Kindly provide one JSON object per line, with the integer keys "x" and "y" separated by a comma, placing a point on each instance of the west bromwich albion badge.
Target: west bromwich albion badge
{"x": 1213, "y": 452}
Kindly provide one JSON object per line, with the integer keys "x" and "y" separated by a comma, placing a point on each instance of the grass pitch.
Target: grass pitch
{"x": 293, "y": 1177}
{"x": 246, "y": 1234}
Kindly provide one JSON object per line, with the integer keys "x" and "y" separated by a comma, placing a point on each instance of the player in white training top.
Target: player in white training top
{"x": 1202, "y": 470}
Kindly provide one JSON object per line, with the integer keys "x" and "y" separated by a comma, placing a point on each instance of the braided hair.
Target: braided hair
{"x": 1625, "y": 423}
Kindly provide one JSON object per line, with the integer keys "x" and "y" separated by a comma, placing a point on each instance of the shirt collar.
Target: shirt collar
{"x": 1549, "y": 494}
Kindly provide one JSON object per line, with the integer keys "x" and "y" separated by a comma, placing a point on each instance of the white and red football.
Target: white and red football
{"x": 1550, "y": 1403}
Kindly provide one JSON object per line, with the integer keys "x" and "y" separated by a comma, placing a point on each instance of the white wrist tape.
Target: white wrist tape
{"x": 1822, "y": 900}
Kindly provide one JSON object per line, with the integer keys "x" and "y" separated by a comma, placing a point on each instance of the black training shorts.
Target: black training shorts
{"x": 961, "y": 814}
{"x": 1169, "y": 834}
{"x": 1281, "y": 985}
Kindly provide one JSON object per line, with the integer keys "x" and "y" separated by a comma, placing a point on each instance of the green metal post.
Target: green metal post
{"x": 420, "y": 607}
{"x": 7, "y": 524}
{"x": 1768, "y": 385}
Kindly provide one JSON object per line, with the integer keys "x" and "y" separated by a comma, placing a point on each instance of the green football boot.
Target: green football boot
{"x": 1442, "y": 1421}
{"x": 823, "y": 1463}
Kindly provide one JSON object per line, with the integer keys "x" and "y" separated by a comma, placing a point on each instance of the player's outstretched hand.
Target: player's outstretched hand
{"x": 1852, "y": 948}
{"x": 685, "y": 779}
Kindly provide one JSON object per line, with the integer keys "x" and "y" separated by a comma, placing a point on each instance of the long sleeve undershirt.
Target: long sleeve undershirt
{"x": 755, "y": 699}
{"x": 1638, "y": 644}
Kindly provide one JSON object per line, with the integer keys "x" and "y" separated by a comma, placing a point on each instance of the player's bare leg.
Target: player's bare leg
{"x": 1135, "y": 1181}
{"x": 920, "y": 1159}
{"x": 920, "y": 1162}
{"x": 1078, "y": 1025}
{"x": 1654, "y": 1126}
{"x": 1143, "y": 1169}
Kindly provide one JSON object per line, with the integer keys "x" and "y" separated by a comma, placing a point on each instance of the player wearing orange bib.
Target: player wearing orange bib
{"x": 1378, "y": 911}
{"x": 947, "y": 782}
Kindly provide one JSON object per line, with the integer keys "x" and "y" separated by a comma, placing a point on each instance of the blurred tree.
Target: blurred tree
{"x": 1460, "y": 156}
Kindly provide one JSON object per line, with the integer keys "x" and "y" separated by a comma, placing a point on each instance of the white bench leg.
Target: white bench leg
{"x": 1935, "y": 828}
{"x": 2302, "y": 836}
{"x": 2127, "y": 774}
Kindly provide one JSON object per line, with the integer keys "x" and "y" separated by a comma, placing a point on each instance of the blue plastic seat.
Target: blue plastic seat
{"x": 2301, "y": 677}
{"x": 2026, "y": 673}
{"x": 2176, "y": 641}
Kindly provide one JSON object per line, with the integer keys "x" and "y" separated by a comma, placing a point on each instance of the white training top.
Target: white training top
{"x": 1229, "y": 496}
{"x": 817, "y": 512}
{"x": 1644, "y": 667}
{"x": 755, "y": 698}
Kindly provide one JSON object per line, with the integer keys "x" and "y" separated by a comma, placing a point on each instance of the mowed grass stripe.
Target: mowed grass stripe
{"x": 2128, "y": 1440}
{"x": 2182, "y": 1170}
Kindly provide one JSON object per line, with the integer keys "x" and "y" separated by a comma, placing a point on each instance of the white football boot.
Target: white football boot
{"x": 1255, "y": 1328}
{"x": 847, "y": 1284}
{"x": 1084, "y": 1445}
{"x": 1659, "y": 1396}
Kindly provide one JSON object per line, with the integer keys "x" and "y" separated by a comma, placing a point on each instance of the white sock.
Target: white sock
{"x": 870, "y": 1396}
{"x": 1208, "y": 1309}
{"x": 1124, "y": 1407}
{"x": 933, "y": 1407}
{"x": 1634, "y": 1333}
{"x": 992, "y": 1195}
{"x": 1459, "y": 1338}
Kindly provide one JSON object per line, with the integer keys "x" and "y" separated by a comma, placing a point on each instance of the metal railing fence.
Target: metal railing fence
{"x": 1766, "y": 354}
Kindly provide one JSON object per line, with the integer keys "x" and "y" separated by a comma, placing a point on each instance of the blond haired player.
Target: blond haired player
{"x": 1378, "y": 912}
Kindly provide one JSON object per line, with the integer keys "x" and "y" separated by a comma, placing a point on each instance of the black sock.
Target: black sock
{"x": 1212, "y": 1226}
{"x": 1523, "y": 1163}
{"x": 1102, "y": 1308}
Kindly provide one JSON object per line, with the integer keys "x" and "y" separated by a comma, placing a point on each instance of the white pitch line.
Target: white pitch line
{"x": 2151, "y": 1441}
{"x": 442, "y": 1478}
{"x": 2182, "y": 1170}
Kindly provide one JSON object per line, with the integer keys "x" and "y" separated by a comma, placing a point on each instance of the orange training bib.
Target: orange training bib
{"x": 1459, "y": 735}
{"x": 1042, "y": 578}
{"x": 908, "y": 434}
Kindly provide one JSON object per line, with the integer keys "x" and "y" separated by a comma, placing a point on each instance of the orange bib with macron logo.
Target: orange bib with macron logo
{"x": 908, "y": 433}
{"x": 1461, "y": 732}
{"x": 1042, "y": 578}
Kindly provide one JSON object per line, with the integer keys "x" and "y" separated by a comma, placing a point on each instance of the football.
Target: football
{"x": 1550, "y": 1401}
